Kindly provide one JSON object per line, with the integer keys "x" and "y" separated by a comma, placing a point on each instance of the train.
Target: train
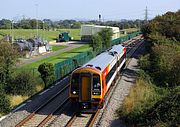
{"x": 91, "y": 82}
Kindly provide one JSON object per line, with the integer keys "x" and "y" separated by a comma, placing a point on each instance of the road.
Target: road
{"x": 47, "y": 55}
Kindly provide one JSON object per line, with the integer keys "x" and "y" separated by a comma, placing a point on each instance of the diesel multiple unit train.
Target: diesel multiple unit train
{"x": 91, "y": 82}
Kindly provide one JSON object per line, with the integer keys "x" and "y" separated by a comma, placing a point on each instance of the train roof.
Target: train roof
{"x": 101, "y": 61}
{"x": 117, "y": 48}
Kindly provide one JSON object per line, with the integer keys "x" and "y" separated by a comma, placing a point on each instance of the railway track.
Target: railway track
{"x": 45, "y": 112}
{"x": 82, "y": 120}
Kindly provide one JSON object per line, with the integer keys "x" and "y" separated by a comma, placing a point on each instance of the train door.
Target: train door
{"x": 85, "y": 87}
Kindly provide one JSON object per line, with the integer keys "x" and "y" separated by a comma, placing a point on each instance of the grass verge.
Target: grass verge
{"x": 142, "y": 96}
{"x": 17, "y": 99}
{"x": 58, "y": 47}
{"x": 149, "y": 105}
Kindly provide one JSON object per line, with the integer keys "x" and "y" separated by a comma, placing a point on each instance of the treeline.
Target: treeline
{"x": 64, "y": 24}
{"x": 101, "y": 41}
{"x": 11, "y": 83}
{"x": 40, "y": 24}
{"x": 17, "y": 82}
{"x": 159, "y": 77}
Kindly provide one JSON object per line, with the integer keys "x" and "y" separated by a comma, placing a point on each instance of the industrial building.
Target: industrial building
{"x": 88, "y": 30}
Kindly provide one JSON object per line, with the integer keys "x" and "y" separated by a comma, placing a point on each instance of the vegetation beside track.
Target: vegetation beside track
{"x": 25, "y": 81}
{"x": 16, "y": 87}
{"x": 154, "y": 100}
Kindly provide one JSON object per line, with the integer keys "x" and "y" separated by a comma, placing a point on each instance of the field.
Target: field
{"x": 48, "y": 35}
{"x": 58, "y": 47}
{"x": 131, "y": 30}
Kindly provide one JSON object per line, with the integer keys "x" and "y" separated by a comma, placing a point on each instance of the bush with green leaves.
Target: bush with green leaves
{"x": 47, "y": 73}
{"x": 106, "y": 36}
{"x": 4, "y": 101}
{"x": 96, "y": 43}
{"x": 102, "y": 40}
{"x": 21, "y": 84}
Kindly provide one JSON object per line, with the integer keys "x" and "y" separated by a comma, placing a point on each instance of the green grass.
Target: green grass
{"x": 75, "y": 33}
{"x": 131, "y": 30}
{"x": 58, "y": 47}
{"x": 142, "y": 97}
{"x": 48, "y": 35}
{"x": 1, "y": 37}
{"x": 57, "y": 58}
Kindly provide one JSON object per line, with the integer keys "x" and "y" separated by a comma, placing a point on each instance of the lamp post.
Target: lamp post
{"x": 36, "y": 20}
{"x": 12, "y": 26}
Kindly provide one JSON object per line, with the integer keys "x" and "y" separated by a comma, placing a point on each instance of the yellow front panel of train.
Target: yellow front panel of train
{"x": 86, "y": 88}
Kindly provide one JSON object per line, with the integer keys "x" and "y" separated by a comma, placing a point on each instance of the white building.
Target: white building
{"x": 88, "y": 30}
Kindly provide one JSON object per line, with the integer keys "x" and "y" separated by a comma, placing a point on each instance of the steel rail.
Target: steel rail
{"x": 50, "y": 115}
{"x": 41, "y": 107}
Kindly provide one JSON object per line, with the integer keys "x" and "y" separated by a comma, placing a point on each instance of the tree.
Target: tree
{"x": 4, "y": 101}
{"x": 96, "y": 43}
{"x": 21, "y": 84}
{"x": 106, "y": 35}
{"x": 33, "y": 23}
{"x": 25, "y": 24}
{"x": 76, "y": 25}
{"x": 8, "y": 59}
{"x": 5, "y": 24}
{"x": 47, "y": 73}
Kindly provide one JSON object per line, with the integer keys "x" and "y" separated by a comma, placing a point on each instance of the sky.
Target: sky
{"x": 85, "y": 9}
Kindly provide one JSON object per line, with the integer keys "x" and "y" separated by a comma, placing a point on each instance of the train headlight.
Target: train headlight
{"x": 96, "y": 93}
{"x": 74, "y": 92}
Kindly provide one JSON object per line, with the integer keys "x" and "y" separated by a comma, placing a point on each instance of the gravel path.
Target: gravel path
{"x": 47, "y": 55}
{"x": 107, "y": 116}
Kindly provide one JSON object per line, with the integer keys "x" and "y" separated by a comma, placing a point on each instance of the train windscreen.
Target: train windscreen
{"x": 96, "y": 89}
{"x": 75, "y": 84}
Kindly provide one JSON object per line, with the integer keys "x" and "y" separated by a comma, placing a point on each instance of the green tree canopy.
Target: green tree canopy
{"x": 8, "y": 59}
{"x": 47, "y": 73}
{"x": 106, "y": 36}
{"x": 96, "y": 43}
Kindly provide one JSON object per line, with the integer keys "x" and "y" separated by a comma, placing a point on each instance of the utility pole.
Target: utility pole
{"x": 12, "y": 36}
{"x": 37, "y": 20}
{"x": 146, "y": 15}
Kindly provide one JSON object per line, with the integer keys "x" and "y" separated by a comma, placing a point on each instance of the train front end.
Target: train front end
{"x": 86, "y": 88}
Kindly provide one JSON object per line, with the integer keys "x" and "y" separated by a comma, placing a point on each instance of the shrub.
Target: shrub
{"x": 164, "y": 59}
{"x": 22, "y": 84}
{"x": 47, "y": 73}
{"x": 4, "y": 102}
{"x": 165, "y": 112}
{"x": 142, "y": 96}
{"x": 144, "y": 62}
{"x": 96, "y": 43}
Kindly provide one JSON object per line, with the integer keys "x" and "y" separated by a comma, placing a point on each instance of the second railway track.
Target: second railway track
{"x": 42, "y": 114}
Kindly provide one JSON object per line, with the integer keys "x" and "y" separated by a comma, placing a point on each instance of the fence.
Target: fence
{"x": 66, "y": 66}
{"x": 125, "y": 38}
